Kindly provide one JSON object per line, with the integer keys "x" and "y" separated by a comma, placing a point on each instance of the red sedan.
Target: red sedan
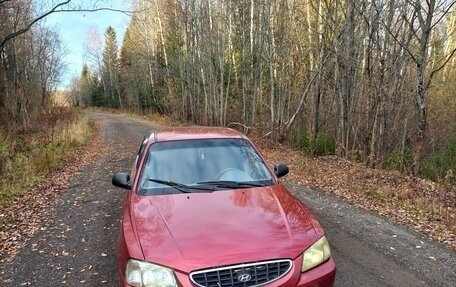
{"x": 204, "y": 209}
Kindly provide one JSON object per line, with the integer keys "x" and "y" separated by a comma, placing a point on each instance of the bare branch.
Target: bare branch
{"x": 56, "y": 10}
{"x": 400, "y": 42}
{"x": 441, "y": 66}
{"x": 246, "y": 128}
{"x": 23, "y": 30}
{"x": 444, "y": 13}
{"x": 126, "y": 12}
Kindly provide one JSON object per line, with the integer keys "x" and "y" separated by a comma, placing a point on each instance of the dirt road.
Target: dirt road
{"x": 77, "y": 248}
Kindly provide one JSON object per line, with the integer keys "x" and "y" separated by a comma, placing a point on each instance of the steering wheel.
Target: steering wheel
{"x": 226, "y": 170}
{"x": 234, "y": 174}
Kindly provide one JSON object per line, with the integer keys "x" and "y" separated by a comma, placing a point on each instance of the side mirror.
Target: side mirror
{"x": 121, "y": 180}
{"x": 281, "y": 169}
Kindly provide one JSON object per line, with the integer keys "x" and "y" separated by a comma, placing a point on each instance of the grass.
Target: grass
{"x": 441, "y": 166}
{"x": 26, "y": 156}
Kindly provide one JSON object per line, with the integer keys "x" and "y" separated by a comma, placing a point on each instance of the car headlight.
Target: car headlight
{"x": 144, "y": 274}
{"x": 316, "y": 254}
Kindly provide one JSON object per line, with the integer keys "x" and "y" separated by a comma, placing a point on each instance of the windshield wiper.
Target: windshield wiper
{"x": 231, "y": 184}
{"x": 180, "y": 186}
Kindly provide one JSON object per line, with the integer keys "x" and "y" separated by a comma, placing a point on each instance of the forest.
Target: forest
{"x": 371, "y": 81}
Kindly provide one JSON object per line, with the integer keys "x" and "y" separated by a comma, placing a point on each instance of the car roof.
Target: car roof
{"x": 193, "y": 132}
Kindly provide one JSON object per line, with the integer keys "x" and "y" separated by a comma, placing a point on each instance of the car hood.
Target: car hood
{"x": 200, "y": 230}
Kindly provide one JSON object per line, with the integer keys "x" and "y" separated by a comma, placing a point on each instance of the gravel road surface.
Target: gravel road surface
{"x": 77, "y": 247}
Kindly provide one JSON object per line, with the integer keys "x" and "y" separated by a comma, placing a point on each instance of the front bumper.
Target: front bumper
{"x": 320, "y": 276}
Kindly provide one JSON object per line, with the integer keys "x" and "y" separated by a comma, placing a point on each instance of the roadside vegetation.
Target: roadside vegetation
{"x": 26, "y": 156}
{"x": 35, "y": 135}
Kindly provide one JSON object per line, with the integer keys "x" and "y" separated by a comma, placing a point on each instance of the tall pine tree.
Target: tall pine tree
{"x": 110, "y": 70}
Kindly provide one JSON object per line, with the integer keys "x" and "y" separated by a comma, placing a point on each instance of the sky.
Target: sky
{"x": 74, "y": 26}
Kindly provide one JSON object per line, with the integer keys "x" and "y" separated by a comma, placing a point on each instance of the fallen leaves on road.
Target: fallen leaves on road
{"x": 415, "y": 202}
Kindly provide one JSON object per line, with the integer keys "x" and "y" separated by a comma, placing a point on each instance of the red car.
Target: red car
{"x": 204, "y": 209}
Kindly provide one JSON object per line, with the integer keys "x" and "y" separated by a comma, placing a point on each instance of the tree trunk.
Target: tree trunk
{"x": 421, "y": 65}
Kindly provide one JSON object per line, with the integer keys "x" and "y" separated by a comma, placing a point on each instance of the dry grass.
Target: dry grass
{"x": 28, "y": 155}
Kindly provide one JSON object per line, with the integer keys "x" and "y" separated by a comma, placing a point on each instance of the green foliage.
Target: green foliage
{"x": 324, "y": 145}
{"x": 15, "y": 167}
{"x": 430, "y": 170}
{"x": 300, "y": 139}
{"x": 96, "y": 94}
{"x": 4, "y": 150}
{"x": 110, "y": 71}
{"x": 399, "y": 160}
{"x": 441, "y": 164}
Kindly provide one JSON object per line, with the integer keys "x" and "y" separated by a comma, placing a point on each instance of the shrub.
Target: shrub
{"x": 430, "y": 170}
{"x": 4, "y": 148}
{"x": 324, "y": 145}
{"x": 399, "y": 160}
{"x": 300, "y": 139}
{"x": 441, "y": 164}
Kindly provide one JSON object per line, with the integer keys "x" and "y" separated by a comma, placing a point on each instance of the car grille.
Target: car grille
{"x": 242, "y": 275}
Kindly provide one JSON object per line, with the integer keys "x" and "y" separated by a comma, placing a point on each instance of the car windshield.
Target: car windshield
{"x": 202, "y": 166}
